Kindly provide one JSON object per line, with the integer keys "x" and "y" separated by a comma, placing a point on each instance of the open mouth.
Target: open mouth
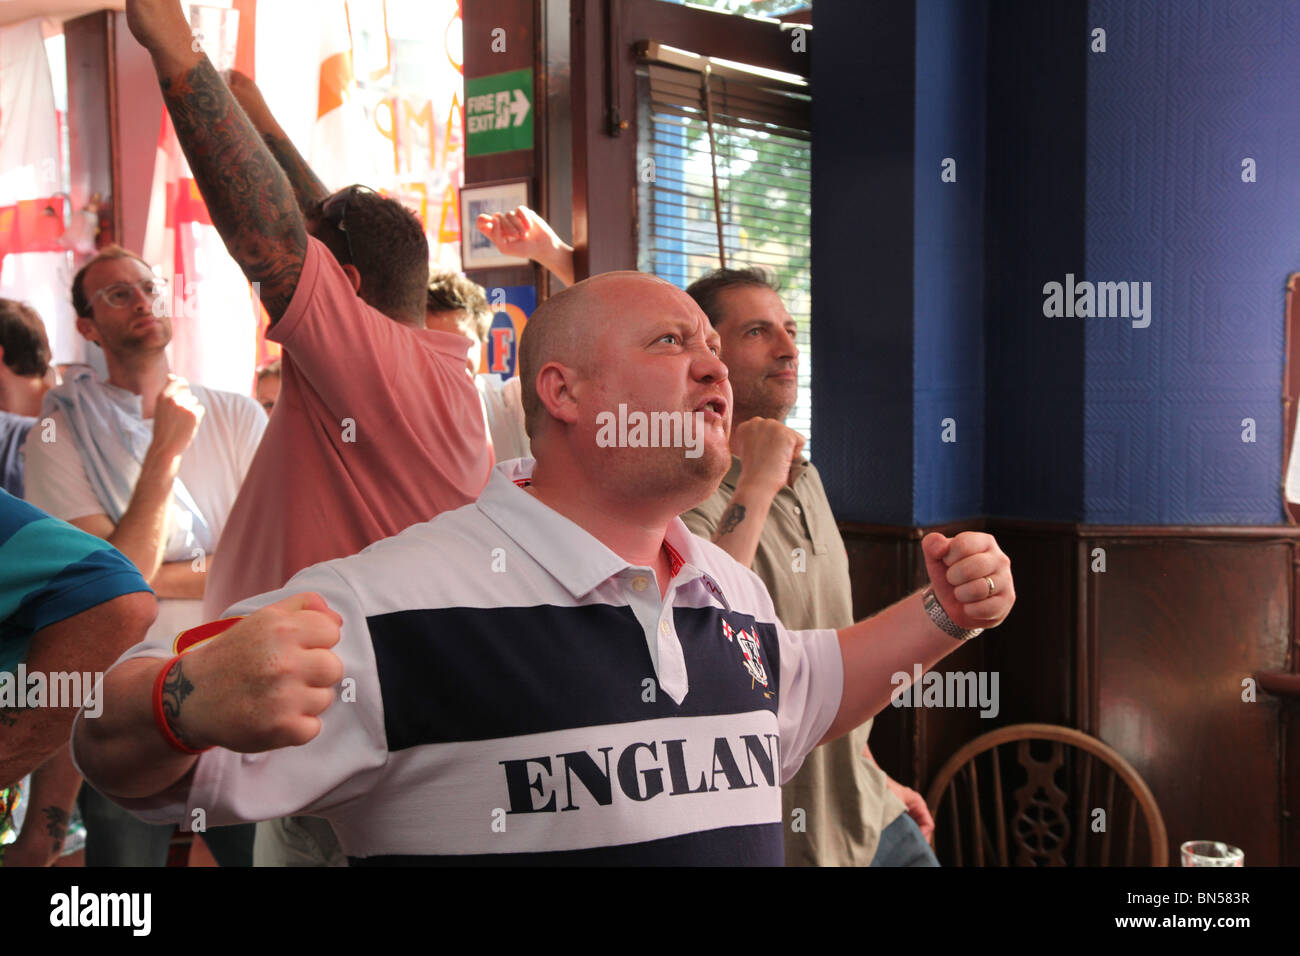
{"x": 713, "y": 408}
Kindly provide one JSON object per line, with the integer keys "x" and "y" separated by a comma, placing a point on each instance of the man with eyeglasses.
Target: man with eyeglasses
{"x": 377, "y": 426}
{"x": 152, "y": 465}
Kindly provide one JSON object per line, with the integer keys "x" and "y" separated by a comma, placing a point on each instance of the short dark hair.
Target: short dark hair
{"x": 270, "y": 370}
{"x": 708, "y": 289}
{"x": 386, "y": 243}
{"x": 79, "y": 301}
{"x": 452, "y": 292}
{"x": 22, "y": 336}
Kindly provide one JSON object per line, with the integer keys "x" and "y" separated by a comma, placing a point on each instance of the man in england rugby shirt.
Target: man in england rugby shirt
{"x": 557, "y": 673}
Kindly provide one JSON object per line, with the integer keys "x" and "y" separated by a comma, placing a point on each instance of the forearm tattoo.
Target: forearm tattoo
{"x": 176, "y": 687}
{"x": 248, "y": 195}
{"x": 731, "y": 519}
{"x": 56, "y": 825}
{"x": 307, "y": 187}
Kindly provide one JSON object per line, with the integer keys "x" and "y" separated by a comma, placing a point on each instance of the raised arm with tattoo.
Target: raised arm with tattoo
{"x": 50, "y": 796}
{"x": 278, "y": 656}
{"x": 86, "y": 643}
{"x": 307, "y": 187}
{"x": 248, "y": 195}
{"x": 766, "y": 449}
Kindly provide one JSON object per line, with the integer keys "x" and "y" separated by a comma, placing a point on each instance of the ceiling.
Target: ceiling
{"x": 15, "y": 11}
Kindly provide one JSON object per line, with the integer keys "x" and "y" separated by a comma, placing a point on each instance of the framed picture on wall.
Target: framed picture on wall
{"x": 476, "y": 249}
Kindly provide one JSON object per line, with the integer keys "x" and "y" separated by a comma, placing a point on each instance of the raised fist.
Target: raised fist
{"x": 176, "y": 417}
{"x": 766, "y": 449}
{"x": 260, "y": 685}
{"x": 971, "y": 577}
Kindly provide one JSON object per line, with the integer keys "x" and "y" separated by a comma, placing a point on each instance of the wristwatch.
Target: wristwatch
{"x": 940, "y": 617}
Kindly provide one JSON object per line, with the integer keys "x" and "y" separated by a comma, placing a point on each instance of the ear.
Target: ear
{"x": 555, "y": 389}
{"x": 354, "y": 277}
{"x": 87, "y": 329}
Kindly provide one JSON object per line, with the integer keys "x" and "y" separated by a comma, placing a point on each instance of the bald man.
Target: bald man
{"x": 582, "y": 681}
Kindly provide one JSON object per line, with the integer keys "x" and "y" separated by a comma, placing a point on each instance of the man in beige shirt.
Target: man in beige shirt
{"x": 771, "y": 513}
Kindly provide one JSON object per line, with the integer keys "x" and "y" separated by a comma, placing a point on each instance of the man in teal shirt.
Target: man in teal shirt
{"x": 70, "y": 604}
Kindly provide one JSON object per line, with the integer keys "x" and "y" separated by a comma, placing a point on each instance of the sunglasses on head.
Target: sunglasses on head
{"x": 335, "y": 211}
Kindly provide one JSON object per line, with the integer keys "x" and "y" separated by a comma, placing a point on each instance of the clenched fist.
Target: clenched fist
{"x": 260, "y": 685}
{"x": 176, "y": 417}
{"x": 961, "y": 570}
{"x": 766, "y": 449}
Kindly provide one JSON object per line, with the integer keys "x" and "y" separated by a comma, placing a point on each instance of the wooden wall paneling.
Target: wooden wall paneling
{"x": 880, "y": 566}
{"x": 1034, "y": 650}
{"x": 1290, "y": 385}
{"x": 1179, "y": 624}
{"x": 1147, "y": 655}
{"x": 1290, "y": 785}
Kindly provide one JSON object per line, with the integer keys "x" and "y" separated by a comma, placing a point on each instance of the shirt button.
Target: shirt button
{"x": 639, "y": 583}
{"x": 797, "y": 510}
{"x": 663, "y": 627}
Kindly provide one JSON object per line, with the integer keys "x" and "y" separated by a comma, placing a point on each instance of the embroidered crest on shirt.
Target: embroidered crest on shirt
{"x": 751, "y": 652}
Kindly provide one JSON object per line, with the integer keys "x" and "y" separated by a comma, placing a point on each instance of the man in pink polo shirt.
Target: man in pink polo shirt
{"x": 377, "y": 425}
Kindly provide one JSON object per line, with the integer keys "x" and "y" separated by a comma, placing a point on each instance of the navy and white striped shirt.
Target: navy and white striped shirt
{"x": 515, "y": 692}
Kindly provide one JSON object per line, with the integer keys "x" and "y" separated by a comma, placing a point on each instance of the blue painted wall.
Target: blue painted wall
{"x": 948, "y": 249}
{"x": 863, "y": 81}
{"x": 1115, "y": 166}
{"x": 1184, "y": 92}
{"x": 1034, "y": 229}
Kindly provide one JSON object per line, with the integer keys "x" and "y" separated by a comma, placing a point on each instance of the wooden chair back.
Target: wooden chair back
{"x": 1030, "y": 795}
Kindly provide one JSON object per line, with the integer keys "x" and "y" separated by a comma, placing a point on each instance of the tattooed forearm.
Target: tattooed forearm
{"x": 247, "y": 193}
{"x": 176, "y": 687}
{"x": 307, "y": 187}
{"x": 56, "y": 825}
{"x": 731, "y": 519}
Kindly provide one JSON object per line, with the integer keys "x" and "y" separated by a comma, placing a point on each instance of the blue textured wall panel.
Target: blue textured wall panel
{"x": 862, "y": 154}
{"x": 948, "y": 281}
{"x": 1184, "y": 93}
{"x": 1034, "y": 232}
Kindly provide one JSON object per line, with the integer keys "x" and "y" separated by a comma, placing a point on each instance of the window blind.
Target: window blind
{"x": 724, "y": 176}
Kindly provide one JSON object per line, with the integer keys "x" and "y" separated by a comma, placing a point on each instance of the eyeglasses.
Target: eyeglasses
{"x": 335, "y": 211}
{"x": 120, "y": 294}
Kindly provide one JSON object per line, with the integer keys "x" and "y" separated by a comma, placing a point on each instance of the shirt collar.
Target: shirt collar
{"x": 577, "y": 559}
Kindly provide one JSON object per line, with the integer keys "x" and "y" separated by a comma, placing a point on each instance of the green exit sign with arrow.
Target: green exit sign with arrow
{"x": 499, "y": 113}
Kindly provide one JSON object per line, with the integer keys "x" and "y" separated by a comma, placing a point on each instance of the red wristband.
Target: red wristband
{"x": 160, "y": 718}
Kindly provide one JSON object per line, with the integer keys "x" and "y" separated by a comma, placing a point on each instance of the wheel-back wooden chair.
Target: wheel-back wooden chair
{"x": 1029, "y": 795}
